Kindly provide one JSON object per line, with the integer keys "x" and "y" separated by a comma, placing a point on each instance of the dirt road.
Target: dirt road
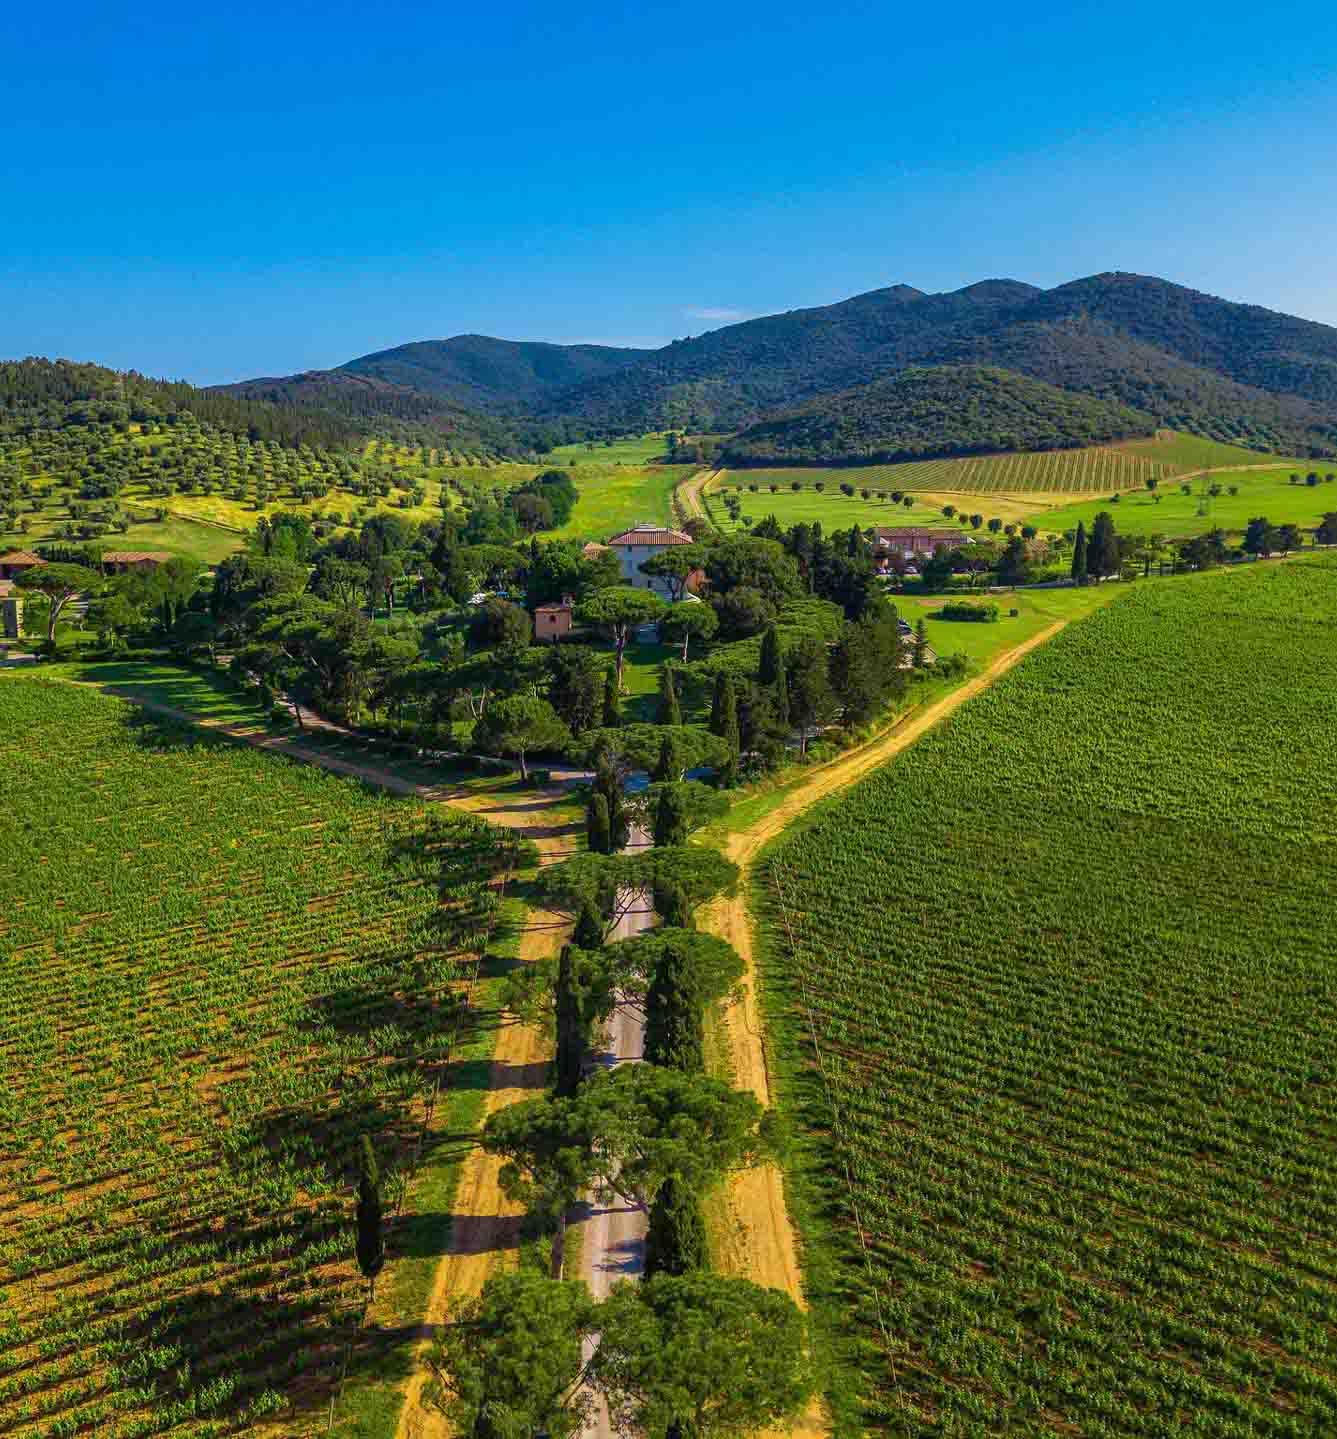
{"x": 757, "y": 1239}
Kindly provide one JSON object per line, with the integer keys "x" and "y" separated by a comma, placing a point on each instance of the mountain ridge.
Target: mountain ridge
{"x": 1233, "y": 371}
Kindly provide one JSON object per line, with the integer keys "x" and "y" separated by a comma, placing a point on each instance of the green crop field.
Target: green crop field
{"x": 1259, "y": 492}
{"x": 217, "y": 970}
{"x": 637, "y": 450}
{"x": 1067, "y": 1164}
{"x": 1049, "y": 472}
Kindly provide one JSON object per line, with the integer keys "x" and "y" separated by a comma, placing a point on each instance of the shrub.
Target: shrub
{"x": 974, "y": 614}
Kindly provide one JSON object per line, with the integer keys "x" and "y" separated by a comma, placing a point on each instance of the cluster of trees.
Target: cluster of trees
{"x": 684, "y": 1350}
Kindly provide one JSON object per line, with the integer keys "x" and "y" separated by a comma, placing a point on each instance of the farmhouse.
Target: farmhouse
{"x": 913, "y": 539}
{"x": 553, "y": 622}
{"x": 17, "y": 563}
{"x": 593, "y": 550}
{"x": 11, "y": 610}
{"x": 640, "y": 543}
{"x": 120, "y": 562}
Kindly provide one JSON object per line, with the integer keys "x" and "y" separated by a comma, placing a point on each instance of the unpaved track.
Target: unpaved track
{"x": 758, "y": 1239}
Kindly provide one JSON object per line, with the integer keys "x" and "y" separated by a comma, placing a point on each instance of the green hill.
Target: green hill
{"x": 1236, "y": 373}
{"x": 943, "y": 410}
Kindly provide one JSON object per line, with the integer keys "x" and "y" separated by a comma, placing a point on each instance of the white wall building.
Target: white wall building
{"x": 639, "y": 544}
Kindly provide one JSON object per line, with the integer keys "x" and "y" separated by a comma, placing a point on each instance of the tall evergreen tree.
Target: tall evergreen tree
{"x": 370, "y": 1238}
{"x": 673, "y": 907}
{"x": 1079, "y": 562}
{"x": 572, "y": 1040}
{"x": 598, "y": 832}
{"x": 771, "y": 665}
{"x": 608, "y": 782}
{"x": 921, "y": 644}
{"x": 811, "y": 702}
{"x": 589, "y": 931}
{"x": 724, "y": 710}
{"x": 675, "y": 1240}
{"x": 674, "y": 1016}
{"x": 670, "y": 826}
{"x": 1103, "y": 551}
{"x": 670, "y": 766}
{"x": 779, "y": 692}
{"x": 669, "y": 710}
{"x": 612, "y": 705}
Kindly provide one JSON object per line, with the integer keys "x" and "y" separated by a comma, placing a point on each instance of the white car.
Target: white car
{"x": 478, "y": 598}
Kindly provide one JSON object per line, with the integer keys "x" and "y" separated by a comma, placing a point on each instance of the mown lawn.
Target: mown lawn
{"x": 1261, "y": 492}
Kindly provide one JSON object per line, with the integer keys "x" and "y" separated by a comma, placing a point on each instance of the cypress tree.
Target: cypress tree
{"x": 370, "y": 1240}
{"x": 670, "y": 767}
{"x": 672, "y": 907}
{"x": 1079, "y": 554}
{"x": 675, "y": 1242}
{"x": 670, "y": 710}
{"x": 724, "y": 710}
{"x": 674, "y": 1016}
{"x": 921, "y": 645}
{"x": 771, "y": 665}
{"x": 612, "y": 708}
{"x": 608, "y": 783}
{"x": 780, "y": 698}
{"x": 670, "y": 817}
{"x": 598, "y": 831}
{"x": 1103, "y": 551}
{"x": 571, "y": 1037}
{"x": 589, "y": 933}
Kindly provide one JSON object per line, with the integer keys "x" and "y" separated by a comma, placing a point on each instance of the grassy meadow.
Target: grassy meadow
{"x": 1170, "y": 512}
{"x": 1066, "y": 1164}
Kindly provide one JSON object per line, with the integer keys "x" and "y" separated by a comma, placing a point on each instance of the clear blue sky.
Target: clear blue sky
{"x": 214, "y": 191}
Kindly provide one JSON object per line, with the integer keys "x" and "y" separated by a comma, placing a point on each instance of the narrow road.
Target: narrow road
{"x": 612, "y": 1237}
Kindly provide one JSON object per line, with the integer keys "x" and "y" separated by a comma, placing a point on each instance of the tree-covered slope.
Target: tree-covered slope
{"x": 1235, "y": 372}
{"x": 502, "y": 376}
{"x": 943, "y": 410}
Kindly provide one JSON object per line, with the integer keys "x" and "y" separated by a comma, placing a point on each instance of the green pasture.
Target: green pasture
{"x": 1172, "y": 513}
{"x": 633, "y": 450}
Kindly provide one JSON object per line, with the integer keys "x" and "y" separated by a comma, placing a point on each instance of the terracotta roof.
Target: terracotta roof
{"x": 21, "y": 557}
{"x": 134, "y": 557}
{"x": 554, "y": 608}
{"x": 592, "y": 548}
{"x": 651, "y": 535}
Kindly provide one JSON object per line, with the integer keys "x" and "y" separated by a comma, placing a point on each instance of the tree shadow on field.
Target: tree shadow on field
{"x": 272, "y": 1323}
{"x": 163, "y": 734}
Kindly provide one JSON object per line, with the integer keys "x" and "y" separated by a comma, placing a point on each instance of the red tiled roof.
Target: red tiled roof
{"x": 592, "y": 548}
{"x": 134, "y": 557}
{"x": 555, "y": 609}
{"x": 651, "y": 535}
{"x": 21, "y": 557}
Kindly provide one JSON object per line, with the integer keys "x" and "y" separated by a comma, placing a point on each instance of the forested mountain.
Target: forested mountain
{"x": 1193, "y": 362}
{"x": 942, "y": 410}
{"x": 1233, "y": 371}
{"x": 370, "y": 405}
{"x": 499, "y": 376}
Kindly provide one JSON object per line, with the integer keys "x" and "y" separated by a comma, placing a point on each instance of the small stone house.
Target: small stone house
{"x": 553, "y": 622}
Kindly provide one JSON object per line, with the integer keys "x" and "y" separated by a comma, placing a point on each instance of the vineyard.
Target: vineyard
{"x": 1061, "y": 1038}
{"x": 217, "y": 971}
{"x": 1066, "y": 472}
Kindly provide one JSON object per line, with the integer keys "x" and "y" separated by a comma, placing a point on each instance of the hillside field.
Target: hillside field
{"x": 218, "y": 970}
{"x": 1260, "y": 492}
{"x": 1074, "y": 997}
